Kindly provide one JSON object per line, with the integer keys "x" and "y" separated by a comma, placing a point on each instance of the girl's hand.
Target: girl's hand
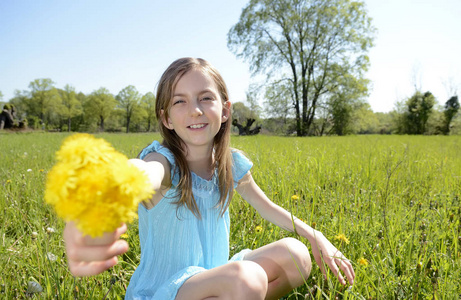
{"x": 325, "y": 253}
{"x": 90, "y": 256}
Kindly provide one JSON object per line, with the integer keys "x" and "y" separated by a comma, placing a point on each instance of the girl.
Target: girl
{"x": 184, "y": 228}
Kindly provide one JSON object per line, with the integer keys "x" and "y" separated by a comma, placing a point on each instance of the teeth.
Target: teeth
{"x": 197, "y": 126}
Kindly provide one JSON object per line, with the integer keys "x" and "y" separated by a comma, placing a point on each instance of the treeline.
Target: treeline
{"x": 46, "y": 107}
{"x": 418, "y": 114}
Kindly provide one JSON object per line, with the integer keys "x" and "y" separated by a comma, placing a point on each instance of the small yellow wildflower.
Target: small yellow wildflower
{"x": 363, "y": 262}
{"x": 41, "y": 170}
{"x": 124, "y": 236}
{"x": 94, "y": 185}
{"x": 8, "y": 181}
{"x": 276, "y": 193}
{"x": 341, "y": 237}
{"x": 294, "y": 197}
{"x": 258, "y": 229}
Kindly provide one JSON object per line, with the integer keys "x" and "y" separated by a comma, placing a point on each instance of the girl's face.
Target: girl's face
{"x": 197, "y": 110}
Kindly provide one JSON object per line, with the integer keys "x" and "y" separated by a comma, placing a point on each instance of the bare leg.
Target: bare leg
{"x": 235, "y": 280}
{"x": 286, "y": 262}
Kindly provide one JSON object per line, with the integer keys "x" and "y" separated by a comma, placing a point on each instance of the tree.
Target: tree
{"x": 252, "y": 100}
{"x": 128, "y": 100}
{"x": 21, "y": 102}
{"x": 450, "y": 110}
{"x": 346, "y": 98}
{"x": 148, "y": 103}
{"x": 364, "y": 120}
{"x": 44, "y": 99}
{"x": 100, "y": 104}
{"x": 307, "y": 43}
{"x": 399, "y": 118}
{"x": 279, "y": 108}
{"x": 384, "y": 122}
{"x": 279, "y": 100}
{"x": 71, "y": 106}
{"x": 241, "y": 112}
{"x": 419, "y": 109}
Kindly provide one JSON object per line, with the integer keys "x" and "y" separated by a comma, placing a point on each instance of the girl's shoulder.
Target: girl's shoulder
{"x": 157, "y": 147}
{"x": 241, "y": 164}
{"x": 239, "y": 155}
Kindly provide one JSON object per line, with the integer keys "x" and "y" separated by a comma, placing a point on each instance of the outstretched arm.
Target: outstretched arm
{"x": 90, "y": 256}
{"x": 323, "y": 250}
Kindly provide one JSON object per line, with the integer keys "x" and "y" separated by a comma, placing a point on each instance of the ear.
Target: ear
{"x": 166, "y": 123}
{"x": 226, "y": 111}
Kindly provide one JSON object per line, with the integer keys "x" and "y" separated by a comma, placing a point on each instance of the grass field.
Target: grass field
{"x": 396, "y": 199}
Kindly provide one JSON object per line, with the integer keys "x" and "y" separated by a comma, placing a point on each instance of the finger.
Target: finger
{"x": 82, "y": 269}
{"x": 73, "y": 236}
{"x": 96, "y": 253}
{"x": 321, "y": 265}
{"x": 348, "y": 270}
{"x": 106, "y": 239}
{"x": 334, "y": 268}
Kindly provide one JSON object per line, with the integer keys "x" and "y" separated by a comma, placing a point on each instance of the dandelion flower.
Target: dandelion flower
{"x": 363, "y": 262}
{"x": 258, "y": 229}
{"x": 294, "y": 197}
{"x": 51, "y": 256}
{"x": 34, "y": 287}
{"x": 95, "y": 186}
{"x": 41, "y": 170}
{"x": 341, "y": 237}
{"x": 124, "y": 236}
{"x": 8, "y": 181}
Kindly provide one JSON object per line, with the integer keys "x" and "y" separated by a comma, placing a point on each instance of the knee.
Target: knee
{"x": 296, "y": 252}
{"x": 249, "y": 280}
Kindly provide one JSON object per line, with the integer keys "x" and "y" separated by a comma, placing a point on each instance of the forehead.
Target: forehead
{"x": 195, "y": 80}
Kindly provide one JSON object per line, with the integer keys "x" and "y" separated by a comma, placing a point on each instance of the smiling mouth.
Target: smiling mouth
{"x": 197, "y": 126}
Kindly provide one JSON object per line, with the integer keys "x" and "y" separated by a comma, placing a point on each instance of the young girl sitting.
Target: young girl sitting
{"x": 184, "y": 228}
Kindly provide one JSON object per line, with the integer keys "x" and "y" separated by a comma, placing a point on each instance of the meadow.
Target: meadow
{"x": 391, "y": 204}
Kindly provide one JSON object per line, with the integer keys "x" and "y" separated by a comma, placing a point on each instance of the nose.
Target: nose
{"x": 196, "y": 109}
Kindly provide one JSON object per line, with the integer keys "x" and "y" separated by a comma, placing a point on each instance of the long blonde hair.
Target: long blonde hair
{"x": 221, "y": 145}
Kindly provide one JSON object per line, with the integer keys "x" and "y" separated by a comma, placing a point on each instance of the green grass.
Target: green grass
{"x": 396, "y": 198}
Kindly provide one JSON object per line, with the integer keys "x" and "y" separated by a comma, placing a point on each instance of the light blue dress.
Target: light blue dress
{"x": 175, "y": 245}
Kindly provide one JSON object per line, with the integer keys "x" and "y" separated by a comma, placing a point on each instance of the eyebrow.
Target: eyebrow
{"x": 200, "y": 93}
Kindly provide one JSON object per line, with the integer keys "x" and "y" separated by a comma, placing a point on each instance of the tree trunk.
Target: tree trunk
{"x": 128, "y": 124}
{"x": 101, "y": 125}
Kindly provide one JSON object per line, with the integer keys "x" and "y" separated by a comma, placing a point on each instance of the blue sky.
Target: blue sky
{"x": 112, "y": 44}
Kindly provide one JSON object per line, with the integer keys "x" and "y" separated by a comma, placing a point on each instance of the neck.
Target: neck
{"x": 201, "y": 161}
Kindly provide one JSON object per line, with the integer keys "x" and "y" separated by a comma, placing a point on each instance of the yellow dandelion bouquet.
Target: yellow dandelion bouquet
{"x": 95, "y": 186}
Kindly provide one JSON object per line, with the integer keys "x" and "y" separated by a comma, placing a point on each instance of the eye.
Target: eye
{"x": 178, "y": 101}
{"x": 207, "y": 98}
